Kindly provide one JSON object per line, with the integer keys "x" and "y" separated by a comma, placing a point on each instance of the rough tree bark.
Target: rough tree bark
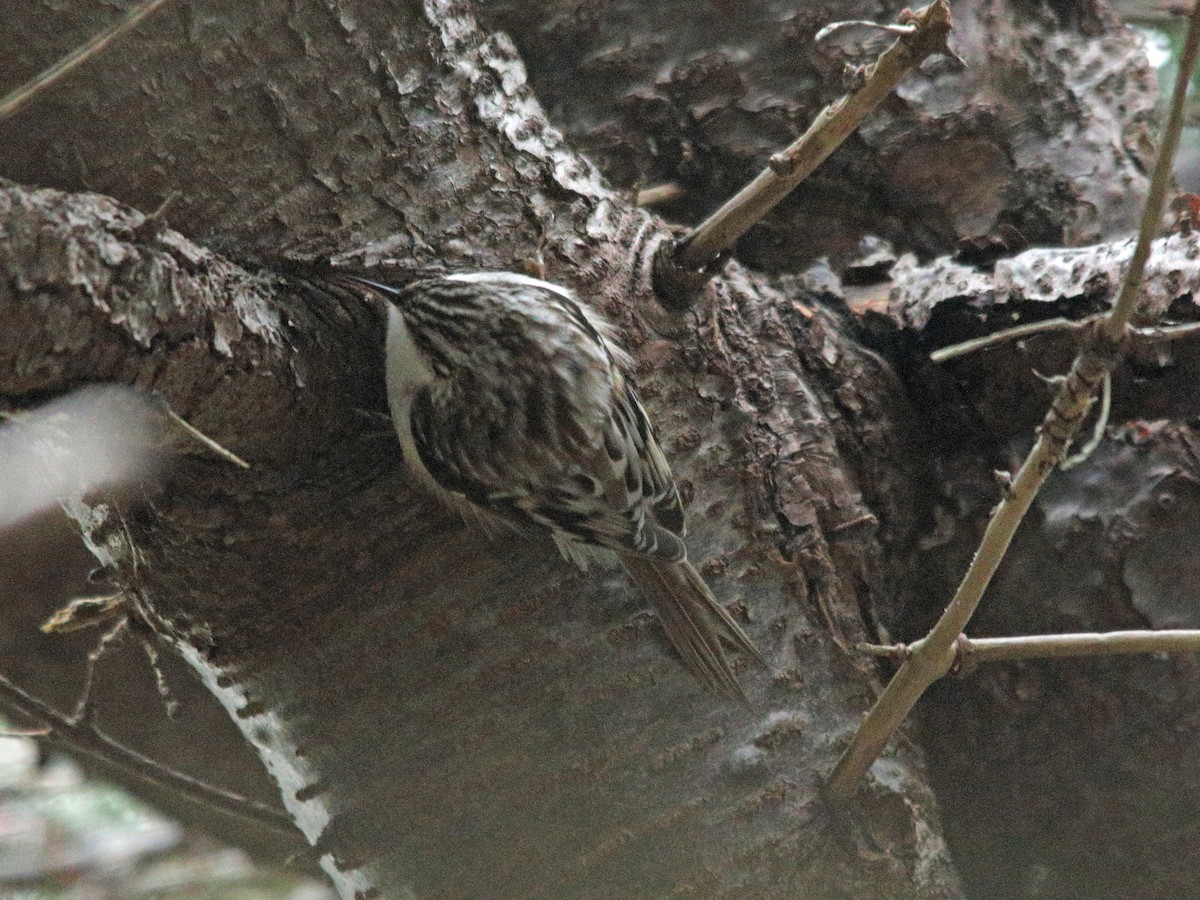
{"x": 1085, "y": 772}
{"x": 446, "y": 712}
{"x": 1045, "y": 130}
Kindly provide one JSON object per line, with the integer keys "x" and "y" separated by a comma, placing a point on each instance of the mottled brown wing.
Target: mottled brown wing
{"x": 654, "y": 482}
{"x": 568, "y": 492}
{"x": 649, "y": 479}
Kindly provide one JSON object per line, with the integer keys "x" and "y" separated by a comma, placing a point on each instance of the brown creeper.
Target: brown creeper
{"x": 507, "y": 392}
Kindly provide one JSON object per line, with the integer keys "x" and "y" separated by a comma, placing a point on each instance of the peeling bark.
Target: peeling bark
{"x": 1045, "y": 131}
{"x": 1083, "y": 770}
{"x": 497, "y": 688}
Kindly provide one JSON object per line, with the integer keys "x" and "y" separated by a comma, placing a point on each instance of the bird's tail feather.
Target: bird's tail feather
{"x": 693, "y": 620}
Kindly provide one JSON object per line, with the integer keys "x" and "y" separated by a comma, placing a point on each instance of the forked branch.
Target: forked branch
{"x": 1102, "y": 348}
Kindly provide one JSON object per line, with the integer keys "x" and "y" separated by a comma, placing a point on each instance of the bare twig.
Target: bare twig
{"x": 1155, "y": 334}
{"x": 887, "y": 651}
{"x": 84, "y": 612}
{"x": 1115, "y": 324}
{"x": 968, "y": 651}
{"x": 828, "y": 131}
{"x": 935, "y": 655}
{"x": 1159, "y": 333}
{"x": 160, "y": 677}
{"x": 85, "y": 707}
{"x": 200, "y": 437}
{"x": 860, "y": 24}
{"x": 40, "y": 82}
{"x": 1102, "y": 349}
{"x": 85, "y": 738}
{"x": 925, "y": 34}
{"x": 1008, "y": 334}
{"x": 24, "y": 734}
{"x": 1040, "y": 646}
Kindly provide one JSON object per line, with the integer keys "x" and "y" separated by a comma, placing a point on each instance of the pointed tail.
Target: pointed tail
{"x": 693, "y": 620}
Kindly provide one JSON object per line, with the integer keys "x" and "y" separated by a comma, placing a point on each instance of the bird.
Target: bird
{"x": 510, "y": 395}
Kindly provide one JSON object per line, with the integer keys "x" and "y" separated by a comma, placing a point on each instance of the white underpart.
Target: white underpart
{"x": 406, "y": 372}
{"x": 270, "y": 736}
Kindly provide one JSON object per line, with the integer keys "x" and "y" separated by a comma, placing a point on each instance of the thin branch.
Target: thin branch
{"x": 24, "y": 734}
{"x": 1161, "y": 333}
{"x": 954, "y": 351}
{"x": 201, "y": 438}
{"x": 1111, "y": 643}
{"x": 160, "y": 677}
{"x": 44, "y": 79}
{"x": 887, "y": 651}
{"x": 85, "y": 707}
{"x": 1102, "y": 349}
{"x": 1150, "y": 335}
{"x": 87, "y": 739}
{"x": 678, "y": 265}
{"x": 84, "y": 612}
{"x": 860, "y": 24}
{"x": 828, "y": 131}
{"x": 1160, "y": 182}
{"x": 969, "y": 651}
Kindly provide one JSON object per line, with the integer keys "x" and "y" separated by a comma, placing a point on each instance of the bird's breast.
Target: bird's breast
{"x": 406, "y": 373}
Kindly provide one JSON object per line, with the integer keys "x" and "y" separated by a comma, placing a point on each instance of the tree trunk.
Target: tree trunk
{"x": 447, "y": 712}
